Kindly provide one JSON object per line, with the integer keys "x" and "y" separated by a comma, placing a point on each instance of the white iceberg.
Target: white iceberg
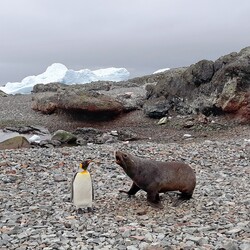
{"x": 58, "y": 72}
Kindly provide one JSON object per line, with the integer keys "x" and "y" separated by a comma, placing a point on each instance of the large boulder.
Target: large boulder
{"x": 64, "y": 137}
{"x": 207, "y": 87}
{"x": 15, "y": 143}
{"x": 157, "y": 108}
{"x": 89, "y": 103}
{"x": 199, "y": 73}
{"x": 77, "y": 101}
{"x": 98, "y": 99}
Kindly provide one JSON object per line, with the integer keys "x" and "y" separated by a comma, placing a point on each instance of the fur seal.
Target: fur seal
{"x": 156, "y": 177}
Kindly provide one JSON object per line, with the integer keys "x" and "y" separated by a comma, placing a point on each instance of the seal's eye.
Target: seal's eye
{"x": 125, "y": 156}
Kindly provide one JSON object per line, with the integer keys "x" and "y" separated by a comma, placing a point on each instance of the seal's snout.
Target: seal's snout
{"x": 117, "y": 157}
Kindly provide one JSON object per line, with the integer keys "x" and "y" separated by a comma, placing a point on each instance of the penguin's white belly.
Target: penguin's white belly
{"x": 82, "y": 191}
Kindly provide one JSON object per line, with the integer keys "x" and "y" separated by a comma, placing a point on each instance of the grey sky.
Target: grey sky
{"x": 140, "y": 35}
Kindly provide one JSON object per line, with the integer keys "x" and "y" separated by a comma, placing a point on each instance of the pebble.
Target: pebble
{"x": 36, "y": 212}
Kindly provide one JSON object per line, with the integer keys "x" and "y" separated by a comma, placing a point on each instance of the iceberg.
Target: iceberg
{"x": 81, "y": 76}
{"x": 112, "y": 74}
{"x": 58, "y": 72}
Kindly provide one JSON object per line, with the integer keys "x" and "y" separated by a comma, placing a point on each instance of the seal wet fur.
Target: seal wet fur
{"x": 156, "y": 177}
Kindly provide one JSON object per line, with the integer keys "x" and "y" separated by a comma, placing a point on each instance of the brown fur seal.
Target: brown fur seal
{"x": 156, "y": 177}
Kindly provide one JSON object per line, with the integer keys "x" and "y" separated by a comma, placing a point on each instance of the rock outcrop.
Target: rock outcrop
{"x": 98, "y": 99}
{"x": 206, "y": 87}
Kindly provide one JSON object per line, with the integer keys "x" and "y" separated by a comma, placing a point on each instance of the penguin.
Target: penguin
{"x": 82, "y": 194}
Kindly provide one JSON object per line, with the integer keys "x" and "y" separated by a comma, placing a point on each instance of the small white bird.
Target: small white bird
{"x": 82, "y": 193}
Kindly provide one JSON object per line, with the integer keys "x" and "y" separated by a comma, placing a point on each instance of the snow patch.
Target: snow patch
{"x": 161, "y": 70}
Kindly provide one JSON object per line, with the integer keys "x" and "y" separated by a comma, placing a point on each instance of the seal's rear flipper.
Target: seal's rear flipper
{"x": 183, "y": 197}
{"x": 153, "y": 199}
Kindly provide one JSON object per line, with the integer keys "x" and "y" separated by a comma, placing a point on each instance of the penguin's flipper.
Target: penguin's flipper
{"x": 72, "y": 188}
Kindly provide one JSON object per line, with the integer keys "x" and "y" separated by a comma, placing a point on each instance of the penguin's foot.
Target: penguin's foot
{"x": 80, "y": 211}
{"x": 90, "y": 210}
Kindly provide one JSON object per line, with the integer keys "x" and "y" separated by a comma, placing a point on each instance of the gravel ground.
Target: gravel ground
{"x": 35, "y": 184}
{"x": 36, "y": 214}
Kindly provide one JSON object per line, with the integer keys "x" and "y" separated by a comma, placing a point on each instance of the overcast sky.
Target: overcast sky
{"x": 140, "y": 35}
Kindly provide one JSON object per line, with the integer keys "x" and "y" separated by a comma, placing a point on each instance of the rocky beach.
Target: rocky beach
{"x": 199, "y": 115}
{"x": 36, "y": 212}
{"x": 36, "y": 183}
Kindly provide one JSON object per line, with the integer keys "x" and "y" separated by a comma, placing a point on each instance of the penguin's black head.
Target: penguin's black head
{"x": 84, "y": 165}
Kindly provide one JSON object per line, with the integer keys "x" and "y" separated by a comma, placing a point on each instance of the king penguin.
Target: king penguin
{"x": 82, "y": 194}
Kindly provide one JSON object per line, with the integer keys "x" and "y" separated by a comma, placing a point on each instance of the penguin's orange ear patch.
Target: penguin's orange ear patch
{"x": 80, "y": 165}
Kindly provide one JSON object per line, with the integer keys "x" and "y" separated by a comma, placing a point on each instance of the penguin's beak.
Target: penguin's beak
{"x": 89, "y": 161}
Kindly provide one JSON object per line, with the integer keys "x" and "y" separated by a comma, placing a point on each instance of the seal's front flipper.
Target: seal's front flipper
{"x": 123, "y": 191}
{"x": 132, "y": 191}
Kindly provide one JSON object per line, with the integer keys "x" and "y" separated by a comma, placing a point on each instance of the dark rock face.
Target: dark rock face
{"x": 207, "y": 87}
{"x": 157, "y": 108}
{"x": 199, "y": 73}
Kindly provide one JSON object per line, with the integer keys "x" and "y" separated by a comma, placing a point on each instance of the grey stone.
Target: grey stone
{"x": 244, "y": 246}
{"x": 132, "y": 248}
